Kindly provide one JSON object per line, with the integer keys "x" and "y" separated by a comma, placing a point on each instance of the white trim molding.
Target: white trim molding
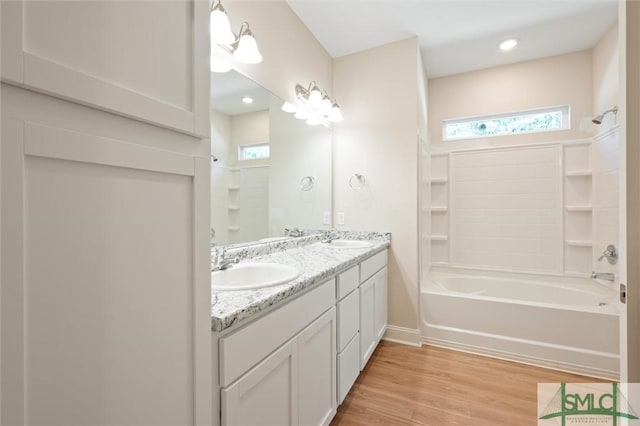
{"x": 406, "y": 336}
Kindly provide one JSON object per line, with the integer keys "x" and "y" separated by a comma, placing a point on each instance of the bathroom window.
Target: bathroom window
{"x": 254, "y": 152}
{"x": 512, "y": 123}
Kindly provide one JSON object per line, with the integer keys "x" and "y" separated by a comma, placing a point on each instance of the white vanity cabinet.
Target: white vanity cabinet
{"x": 373, "y": 304}
{"x": 295, "y": 364}
{"x": 362, "y": 317}
{"x": 348, "y": 309}
{"x": 281, "y": 368}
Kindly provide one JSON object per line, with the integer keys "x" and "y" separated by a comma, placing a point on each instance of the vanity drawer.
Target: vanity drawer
{"x": 370, "y": 266}
{"x": 348, "y": 367}
{"x": 266, "y": 334}
{"x": 348, "y": 281}
{"x": 348, "y": 318}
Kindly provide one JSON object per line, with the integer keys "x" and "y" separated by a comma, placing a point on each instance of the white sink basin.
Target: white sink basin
{"x": 348, "y": 244}
{"x": 250, "y": 275}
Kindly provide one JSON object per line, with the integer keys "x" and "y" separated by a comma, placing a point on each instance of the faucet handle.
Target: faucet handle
{"x": 611, "y": 254}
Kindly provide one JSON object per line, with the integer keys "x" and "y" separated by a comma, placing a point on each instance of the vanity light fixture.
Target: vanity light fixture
{"x": 314, "y": 106}
{"x": 243, "y": 47}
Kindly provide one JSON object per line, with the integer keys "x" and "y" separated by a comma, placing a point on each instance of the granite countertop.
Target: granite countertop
{"x": 316, "y": 263}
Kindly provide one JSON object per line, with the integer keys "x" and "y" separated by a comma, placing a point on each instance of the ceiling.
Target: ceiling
{"x": 231, "y": 87}
{"x": 457, "y": 36}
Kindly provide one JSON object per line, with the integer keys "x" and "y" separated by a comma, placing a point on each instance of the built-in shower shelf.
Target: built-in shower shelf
{"x": 438, "y": 237}
{"x": 438, "y": 209}
{"x": 578, "y": 173}
{"x": 233, "y": 188}
{"x": 583, "y": 208}
{"x": 233, "y": 228}
{"x": 437, "y": 180}
{"x": 439, "y": 263}
{"x": 579, "y": 243}
{"x": 233, "y": 208}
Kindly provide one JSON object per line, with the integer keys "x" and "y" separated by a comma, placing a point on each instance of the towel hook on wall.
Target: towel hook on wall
{"x": 306, "y": 183}
{"x": 357, "y": 181}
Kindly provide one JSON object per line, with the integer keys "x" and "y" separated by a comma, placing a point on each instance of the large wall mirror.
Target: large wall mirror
{"x": 272, "y": 171}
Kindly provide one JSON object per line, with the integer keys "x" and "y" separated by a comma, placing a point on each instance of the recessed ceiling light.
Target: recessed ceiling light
{"x": 508, "y": 44}
{"x": 247, "y": 100}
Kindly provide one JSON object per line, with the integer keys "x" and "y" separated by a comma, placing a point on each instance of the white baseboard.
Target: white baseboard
{"x": 406, "y": 336}
{"x": 556, "y": 362}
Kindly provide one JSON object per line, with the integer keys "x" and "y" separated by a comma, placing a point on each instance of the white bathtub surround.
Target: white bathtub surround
{"x": 528, "y": 208}
{"x": 605, "y": 153}
{"x": 569, "y": 324}
{"x": 505, "y": 209}
{"x": 315, "y": 263}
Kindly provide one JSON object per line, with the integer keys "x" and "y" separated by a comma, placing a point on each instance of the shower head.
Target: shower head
{"x": 598, "y": 119}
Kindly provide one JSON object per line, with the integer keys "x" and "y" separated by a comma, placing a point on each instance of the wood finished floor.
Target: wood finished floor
{"x": 404, "y": 385}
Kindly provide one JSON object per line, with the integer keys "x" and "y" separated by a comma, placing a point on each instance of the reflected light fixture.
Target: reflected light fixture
{"x": 247, "y": 100}
{"x": 508, "y": 44}
{"x": 314, "y": 106}
{"x": 243, "y": 47}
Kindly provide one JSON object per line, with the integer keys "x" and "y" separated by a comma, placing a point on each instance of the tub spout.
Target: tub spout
{"x": 607, "y": 276}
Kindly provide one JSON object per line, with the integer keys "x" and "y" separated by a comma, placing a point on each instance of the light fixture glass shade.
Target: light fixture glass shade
{"x": 316, "y": 120}
{"x": 301, "y": 114}
{"x": 219, "y": 64}
{"x": 336, "y": 115}
{"x": 220, "y": 27}
{"x": 289, "y": 107}
{"x": 315, "y": 97}
{"x": 325, "y": 106}
{"x": 247, "y": 50}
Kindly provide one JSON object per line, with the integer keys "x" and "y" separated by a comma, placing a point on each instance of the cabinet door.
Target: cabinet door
{"x": 144, "y": 60}
{"x": 267, "y": 394}
{"x": 348, "y": 367}
{"x": 380, "y": 303}
{"x": 317, "y": 371}
{"x": 367, "y": 331}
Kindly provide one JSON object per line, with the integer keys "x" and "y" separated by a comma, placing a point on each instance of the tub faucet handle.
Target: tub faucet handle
{"x": 611, "y": 254}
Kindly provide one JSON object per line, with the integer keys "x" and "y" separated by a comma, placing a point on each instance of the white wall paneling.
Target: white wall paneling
{"x": 489, "y": 205}
{"x": 578, "y": 202}
{"x": 605, "y": 160}
{"x": 506, "y": 209}
{"x": 106, "y": 289}
{"x": 438, "y": 209}
{"x": 99, "y": 54}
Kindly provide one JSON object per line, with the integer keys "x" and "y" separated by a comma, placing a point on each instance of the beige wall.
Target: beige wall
{"x": 291, "y": 54}
{"x": 297, "y": 150}
{"x": 378, "y": 139}
{"x": 248, "y": 129}
{"x": 558, "y": 80}
{"x": 606, "y": 70}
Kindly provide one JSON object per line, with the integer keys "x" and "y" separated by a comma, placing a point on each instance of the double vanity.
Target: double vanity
{"x": 294, "y": 323}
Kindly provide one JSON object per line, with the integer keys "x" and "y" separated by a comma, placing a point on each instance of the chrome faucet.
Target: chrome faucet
{"x": 607, "y": 276}
{"x": 293, "y": 232}
{"x": 327, "y": 238}
{"x": 222, "y": 262}
{"x": 611, "y": 254}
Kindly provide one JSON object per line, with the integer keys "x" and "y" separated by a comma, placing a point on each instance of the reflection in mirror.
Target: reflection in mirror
{"x": 272, "y": 170}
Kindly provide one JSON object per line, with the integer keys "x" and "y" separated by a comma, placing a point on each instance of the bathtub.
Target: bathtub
{"x": 565, "y": 324}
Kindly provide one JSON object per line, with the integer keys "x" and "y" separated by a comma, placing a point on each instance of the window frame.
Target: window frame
{"x": 565, "y": 122}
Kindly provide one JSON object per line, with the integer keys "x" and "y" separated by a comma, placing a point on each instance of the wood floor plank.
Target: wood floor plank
{"x": 404, "y": 385}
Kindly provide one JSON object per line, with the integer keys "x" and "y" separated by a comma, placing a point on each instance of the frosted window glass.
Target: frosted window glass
{"x": 254, "y": 152}
{"x": 540, "y": 120}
